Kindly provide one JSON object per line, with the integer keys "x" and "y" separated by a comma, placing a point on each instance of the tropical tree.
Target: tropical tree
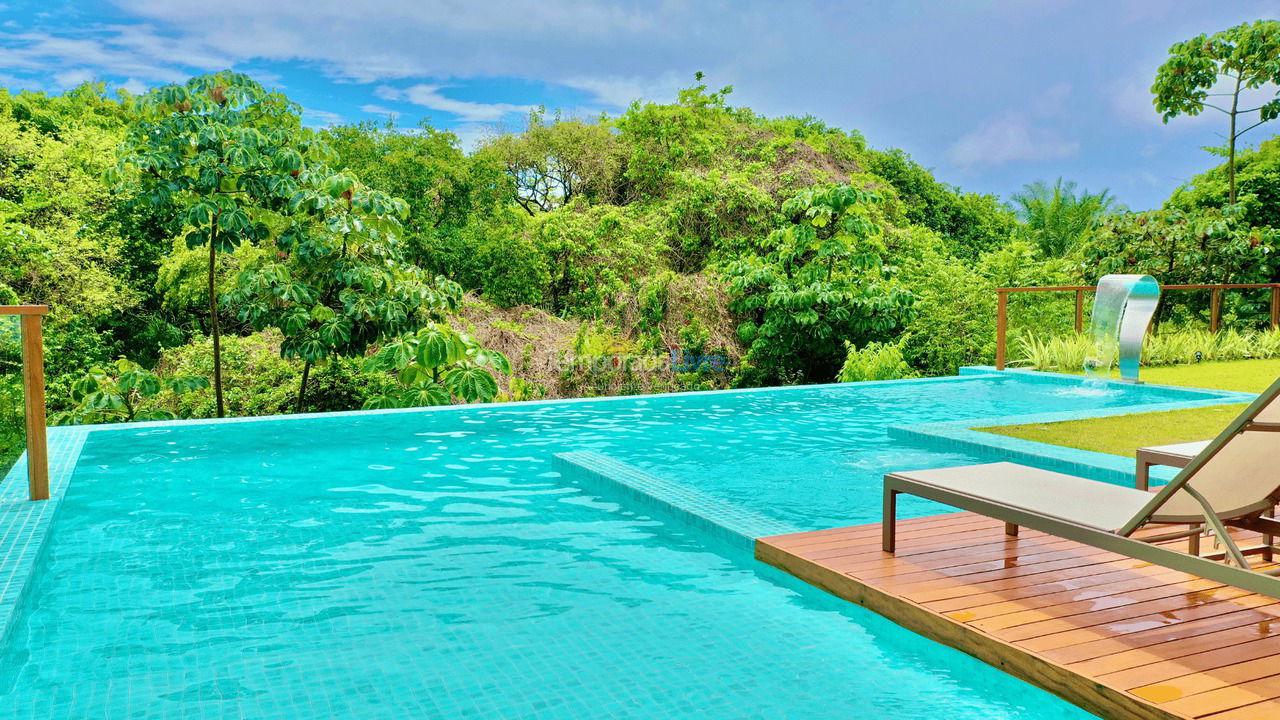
{"x": 814, "y": 284}
{"x": 224, "y": 154}
{"x": 1058, "y": 218}
{"x": 1227, "y": 64}
{"x": 337, "y": 283}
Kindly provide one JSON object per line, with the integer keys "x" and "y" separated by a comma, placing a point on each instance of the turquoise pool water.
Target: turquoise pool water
{"x": 432, "y": 564}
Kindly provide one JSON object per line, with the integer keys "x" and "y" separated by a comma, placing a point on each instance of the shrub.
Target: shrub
{"x": 260, "y": 382}
{"x": 124, "y": 391}
{"x": 1178, "y": 347}
{"x": 874, "y": 361}
{"x": 1064, "y": 353}
{"x": 954, "y": 320}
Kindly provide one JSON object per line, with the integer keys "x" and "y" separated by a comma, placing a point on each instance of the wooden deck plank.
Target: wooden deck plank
{"x": 1209, "y": 664}
{"x": 1117, "y": 636}
{"x": 1153, "y": 613}
{"x": 1228, "y": 698}
{"x": 1261, "y": 711}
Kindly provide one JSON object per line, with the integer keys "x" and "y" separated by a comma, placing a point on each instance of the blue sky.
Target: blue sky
{"x": 992, "y": 94}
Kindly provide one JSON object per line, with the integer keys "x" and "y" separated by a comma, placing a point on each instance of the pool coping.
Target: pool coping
{"x": 25, "y": 525}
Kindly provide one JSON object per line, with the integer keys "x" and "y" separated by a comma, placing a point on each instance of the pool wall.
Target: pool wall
{"x": 962, "y": 435}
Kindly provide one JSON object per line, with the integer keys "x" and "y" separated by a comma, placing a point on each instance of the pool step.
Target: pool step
{"x": 723, "y": 520}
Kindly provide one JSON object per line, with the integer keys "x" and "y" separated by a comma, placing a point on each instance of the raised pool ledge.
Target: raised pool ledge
{"x": 963, "y": 435}
{"x": 25, "y": 525}
{"x": 735, "y": 526}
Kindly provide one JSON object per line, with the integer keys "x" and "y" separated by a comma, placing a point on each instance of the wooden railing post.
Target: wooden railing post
{"x": 1079, "y": 311}
{"x": 1275, "y": 307}
{"x": 1002, "y": 325}
{"x": 33, "y": 387}
{"x": 1215, "y": 309}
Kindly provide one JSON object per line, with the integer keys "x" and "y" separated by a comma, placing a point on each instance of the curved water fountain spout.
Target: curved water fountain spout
{"x": 1122, "y": 311}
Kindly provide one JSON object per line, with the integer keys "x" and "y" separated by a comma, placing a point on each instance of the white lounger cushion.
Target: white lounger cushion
{"x": 1239, "y": 479}
{"x": 1078, "y": 500}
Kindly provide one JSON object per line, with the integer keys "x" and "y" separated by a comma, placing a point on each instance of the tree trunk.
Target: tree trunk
{"x": 213, "y": 321}
{"x": 1231, "y": 142}
{"x": 302, "y": 387}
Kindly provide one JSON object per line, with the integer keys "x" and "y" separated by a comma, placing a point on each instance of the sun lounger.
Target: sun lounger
{"x": 1233, "y": 483}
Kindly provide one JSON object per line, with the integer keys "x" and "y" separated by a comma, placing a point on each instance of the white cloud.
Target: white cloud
{"x": 135, "y": 86}
{"x": 322, "y": 118}
{"x": 1009, "y": 138}
{"x": 135, "y": 51}
{"x": 73, "y": 77}
{"x": 410, "y": 38}
{"x": 378, "y": 110}
{"x": 618, "y": 92}
{"x": 430, "y": 97}
{"x": 1019, "y": 135}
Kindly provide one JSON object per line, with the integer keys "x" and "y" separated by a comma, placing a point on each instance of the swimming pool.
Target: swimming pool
{"x": 433, "y": 564}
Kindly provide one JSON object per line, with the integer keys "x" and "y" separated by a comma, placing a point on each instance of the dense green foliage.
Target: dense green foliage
{"x": 814, "y": 285}
{"x": 202, "y": 230}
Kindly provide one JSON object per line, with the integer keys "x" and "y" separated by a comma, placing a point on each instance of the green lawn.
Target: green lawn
{"x": 1123, "y": 434}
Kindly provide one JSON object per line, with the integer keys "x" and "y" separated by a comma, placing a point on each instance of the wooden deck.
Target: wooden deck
{"x": 1119, "y": 637}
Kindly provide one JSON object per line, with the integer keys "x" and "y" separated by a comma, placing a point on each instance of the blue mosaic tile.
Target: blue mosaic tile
{"x": 24, "y": 525}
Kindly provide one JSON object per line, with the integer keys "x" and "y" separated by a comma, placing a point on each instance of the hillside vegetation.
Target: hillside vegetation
{"x": 683, "y": 245}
